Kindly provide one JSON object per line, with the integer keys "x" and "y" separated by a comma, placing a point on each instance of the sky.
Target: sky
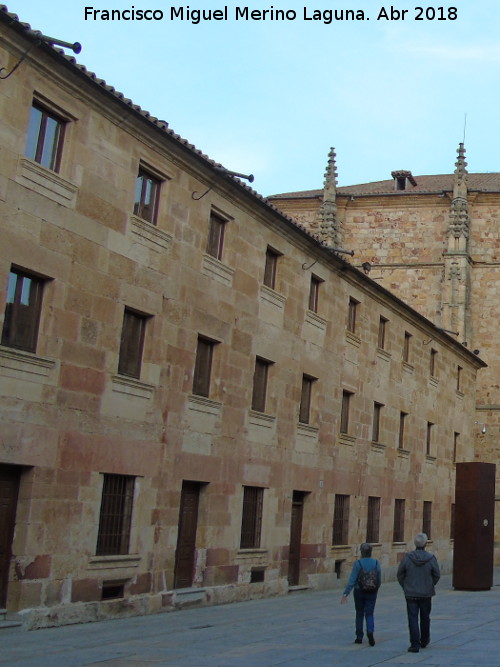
{"x": 271, "y": 97}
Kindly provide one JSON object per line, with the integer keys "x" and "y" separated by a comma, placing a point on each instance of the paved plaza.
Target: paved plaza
{"x": 303, "y": 628}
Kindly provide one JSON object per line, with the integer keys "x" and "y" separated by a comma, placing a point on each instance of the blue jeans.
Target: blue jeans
{"x": 365, "y": 606}
{"x": 419, "y": 633}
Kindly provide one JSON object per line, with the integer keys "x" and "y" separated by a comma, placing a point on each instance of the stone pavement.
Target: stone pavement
{"x": 304, "y": 628}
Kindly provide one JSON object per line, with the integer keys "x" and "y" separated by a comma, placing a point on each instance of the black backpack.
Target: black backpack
{"x": 368, "y": 580}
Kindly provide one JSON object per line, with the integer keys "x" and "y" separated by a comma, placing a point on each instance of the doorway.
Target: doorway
{"x": 186, "y": 538}
{"x": 295, "y": 538}
{"x": 9, "y": 489}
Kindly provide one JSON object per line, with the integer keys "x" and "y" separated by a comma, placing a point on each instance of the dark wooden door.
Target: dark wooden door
{"x": 295, "y": 538}
{"x": 186, "y": 538}
{"x": 9, "y": 486}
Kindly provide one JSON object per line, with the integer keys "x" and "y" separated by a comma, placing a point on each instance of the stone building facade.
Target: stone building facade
{"x": 432, "y": 240}
{"x": 201, "y": 401}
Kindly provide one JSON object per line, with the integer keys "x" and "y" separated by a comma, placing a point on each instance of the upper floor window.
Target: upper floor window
{"x": 147, "y": 195}
{"x": 351, "y": 315}
{"x": 433, "y": 363}
{"x": 401, "y": 434}
{"x": 22, "y": 311}
{"x": 45, "y": 137}
{"x": 305, "y": 399}
{"x": 116, "y": 515}
{"x": 216, "y": 230}
{"x": 456, "y": 442}
{"x": 314, "y": 293}
{"x": 260, "y": 379}
{"x": 406, "y": 347}
{"x": 427, "y": 518}
{"x": 251, "y": 520}
{"x": 132, "y": 343}
{"x": 203, "y": 366}
{"x": 345, "y": 410}
{"x": 377, "y": 413}
{"x": 382, "y": 330}
{"x": 429, "y": 438}
{"x": 459, "y": 378}
{"x": 271, "y": 267}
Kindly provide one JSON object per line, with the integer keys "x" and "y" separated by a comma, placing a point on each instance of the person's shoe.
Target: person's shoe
{"x": 424, "y": 643}
{"x": 371, "y": 639}
{"x": 413, "y": 649}
{"x": 358, "y": 641}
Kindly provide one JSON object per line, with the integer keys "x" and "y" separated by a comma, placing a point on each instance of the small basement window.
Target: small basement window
{"x": 112, "y": 590}
{"x": 257, "y": 575}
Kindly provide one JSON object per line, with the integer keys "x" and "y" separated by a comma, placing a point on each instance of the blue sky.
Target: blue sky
{"x": 271, "y": 97}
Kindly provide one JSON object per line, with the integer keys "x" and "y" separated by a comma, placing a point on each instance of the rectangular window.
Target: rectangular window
{"x": 406, "y": 347}
{"x": 428, "y": 442}
{"x": 305, "y": 399}
{"x": 251, "y": 520}
{"x": 147, "y": 195}
{"x": 382, "y": 330}
{"x": 398, "y": 533}
{"x": 344, "y": 413}
{"x": 203, "y": 366}
{"x": 401, "y": 435}
{"x": 427, "y": 519}
{"x": 377, "y": 412}
{"x": 260, "y": 379}
{"x": 373, "y": 523}
{"x": 45, "y": 138}
{"x": 341, "y": 520}
{"x": 22, "y": 311}
{"x": 459, "y": 378}
{"x": 271, "y": 267}
{"x": 314, "y": 293}
{"x": 116, "y": 515}
{"x": 456, "y": 440}
{"x": 432, "y": 363}
{"x": 351, "y": 315}
{"x": 132, "y": 343}
{"x": 215, "y": 241}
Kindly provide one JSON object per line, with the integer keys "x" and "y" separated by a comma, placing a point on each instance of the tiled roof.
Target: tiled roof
{"x": 489, "y": 182}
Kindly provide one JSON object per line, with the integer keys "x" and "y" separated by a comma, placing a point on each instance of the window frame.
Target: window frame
{"x": 373, "y": 520}
{"x": 402, "y": 428}
{"x": 202, "y": 372}
{"x": 216, "y": 235}
{"x": 260, "y": 384}
{"x": 428, "y": 439}
{"x": 377, "y": 416}
{"x": 352, "y": 315}
{"x": 271, "y": 267}
{"x": 130, "y": 356}
{"x": 251, "y": 517}
{"x": 115, "y": 516}
{"x": 427, "y": 518}
{"x": 313, "y": 302}
{"x": 382, "y": 332}
{"x": 38, "y": 140}
{"x": 345, "y": 411}
{"x": 340, "y": 528}
{"x": 15, "y": 318}
{"x": 407, "y": 346}
{"x": 306, "y": 398}
{"x": 433, "y": 362}
{"x": 142, "y": 209}
{"x": 398, "y": 530}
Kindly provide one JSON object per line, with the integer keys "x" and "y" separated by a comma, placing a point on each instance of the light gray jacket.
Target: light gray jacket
{"x": 418, "y": 572}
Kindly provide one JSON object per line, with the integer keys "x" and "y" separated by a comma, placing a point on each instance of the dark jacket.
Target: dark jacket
{"x": 418, "y": 572}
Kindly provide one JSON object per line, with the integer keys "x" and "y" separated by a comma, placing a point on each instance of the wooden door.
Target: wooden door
{"x": 295, "y": 538}
{"x": 9, "y": 486}
{"x": 186, "y": 538}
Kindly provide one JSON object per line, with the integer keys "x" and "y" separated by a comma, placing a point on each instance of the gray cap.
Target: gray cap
{"x": 420, "y": 540}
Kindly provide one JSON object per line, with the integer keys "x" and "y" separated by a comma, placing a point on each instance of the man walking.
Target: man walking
{"x": 418, "y": 573}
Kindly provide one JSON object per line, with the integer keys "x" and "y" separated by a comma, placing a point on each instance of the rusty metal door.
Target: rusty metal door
{"x": 295, "y": 538}
{"x": 186, "y": 538}
{"x": 9, "y": 487}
